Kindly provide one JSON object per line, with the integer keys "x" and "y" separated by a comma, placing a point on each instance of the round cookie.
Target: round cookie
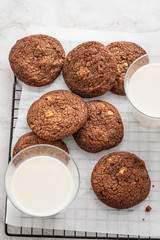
{"x": 57, "y": 114}
{"x": 103, "y": 128}
{"x": 123, "y": 53}
{"x": 30, "y": 139}
{"x": 37, "y": 60}
{"x": 89, "y": 70}
{"x": 120, "y": 180}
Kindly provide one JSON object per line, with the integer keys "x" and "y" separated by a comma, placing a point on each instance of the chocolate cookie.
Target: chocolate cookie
{"x": 37, "y": 60}
{"x": 30, "y": 139}
{"x": 89, "y": 69}
{"x": 120, "y": 180}
{"x": 57, "y": 114}
{"x": 103, "y": 128}
{"x": 123, "y": 53}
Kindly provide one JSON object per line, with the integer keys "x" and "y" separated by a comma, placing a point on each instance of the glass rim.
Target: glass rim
{"x": 125, "y": 83}
{"x": 49, "y": 215}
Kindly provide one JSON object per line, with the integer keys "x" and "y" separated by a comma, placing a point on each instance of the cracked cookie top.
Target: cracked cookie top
{"x": 120, "y": 180}
{"x": 89, "y": 69}
{"x": 37, "y": 60}
{"x": 57, "y": 114}
{"x": 30, "y": 139}
{"x": 103, "y": 128}
{"x": 124, "y": 54}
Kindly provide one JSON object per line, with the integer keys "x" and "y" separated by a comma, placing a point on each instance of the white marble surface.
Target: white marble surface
{"x": 16, "y": 18}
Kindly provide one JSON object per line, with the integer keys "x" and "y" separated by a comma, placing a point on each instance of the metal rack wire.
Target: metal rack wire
{"x": 50, "y": 233}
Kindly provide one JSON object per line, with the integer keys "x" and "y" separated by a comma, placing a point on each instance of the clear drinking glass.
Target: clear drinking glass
{"x": 41, "y": 150}
{"x": 147, "y": 120}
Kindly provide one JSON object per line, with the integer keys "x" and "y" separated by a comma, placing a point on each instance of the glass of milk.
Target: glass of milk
{"x": 142, "y": 88}
{"x": 42, "y": 180}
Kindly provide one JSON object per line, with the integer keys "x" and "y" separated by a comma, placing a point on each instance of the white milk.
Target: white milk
{"x": 42, "y": 186}
{"x": 144, "y": 92}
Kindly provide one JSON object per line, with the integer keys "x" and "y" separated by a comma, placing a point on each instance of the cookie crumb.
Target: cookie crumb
{"x": 153, "y": 186}
{"x": 143, "y": 219}
{"x": 148, "y": 208}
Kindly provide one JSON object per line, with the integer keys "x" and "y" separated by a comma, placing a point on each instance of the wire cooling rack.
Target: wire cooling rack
{"x": 49, "y": 233}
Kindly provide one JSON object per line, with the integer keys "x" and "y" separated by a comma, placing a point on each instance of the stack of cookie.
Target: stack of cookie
{"x": 89, "y": 70}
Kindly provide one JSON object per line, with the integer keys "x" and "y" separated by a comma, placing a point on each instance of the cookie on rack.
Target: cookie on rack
{"x": 89, "y": 69}
{"x": 120, "y": 180}
{"x": 30, "y": 139}
{"x": 37, "y": 60}
{"x": 123, "y": 53}
{"x": 57, "y": 114}
{"x": 103, "y": 128}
